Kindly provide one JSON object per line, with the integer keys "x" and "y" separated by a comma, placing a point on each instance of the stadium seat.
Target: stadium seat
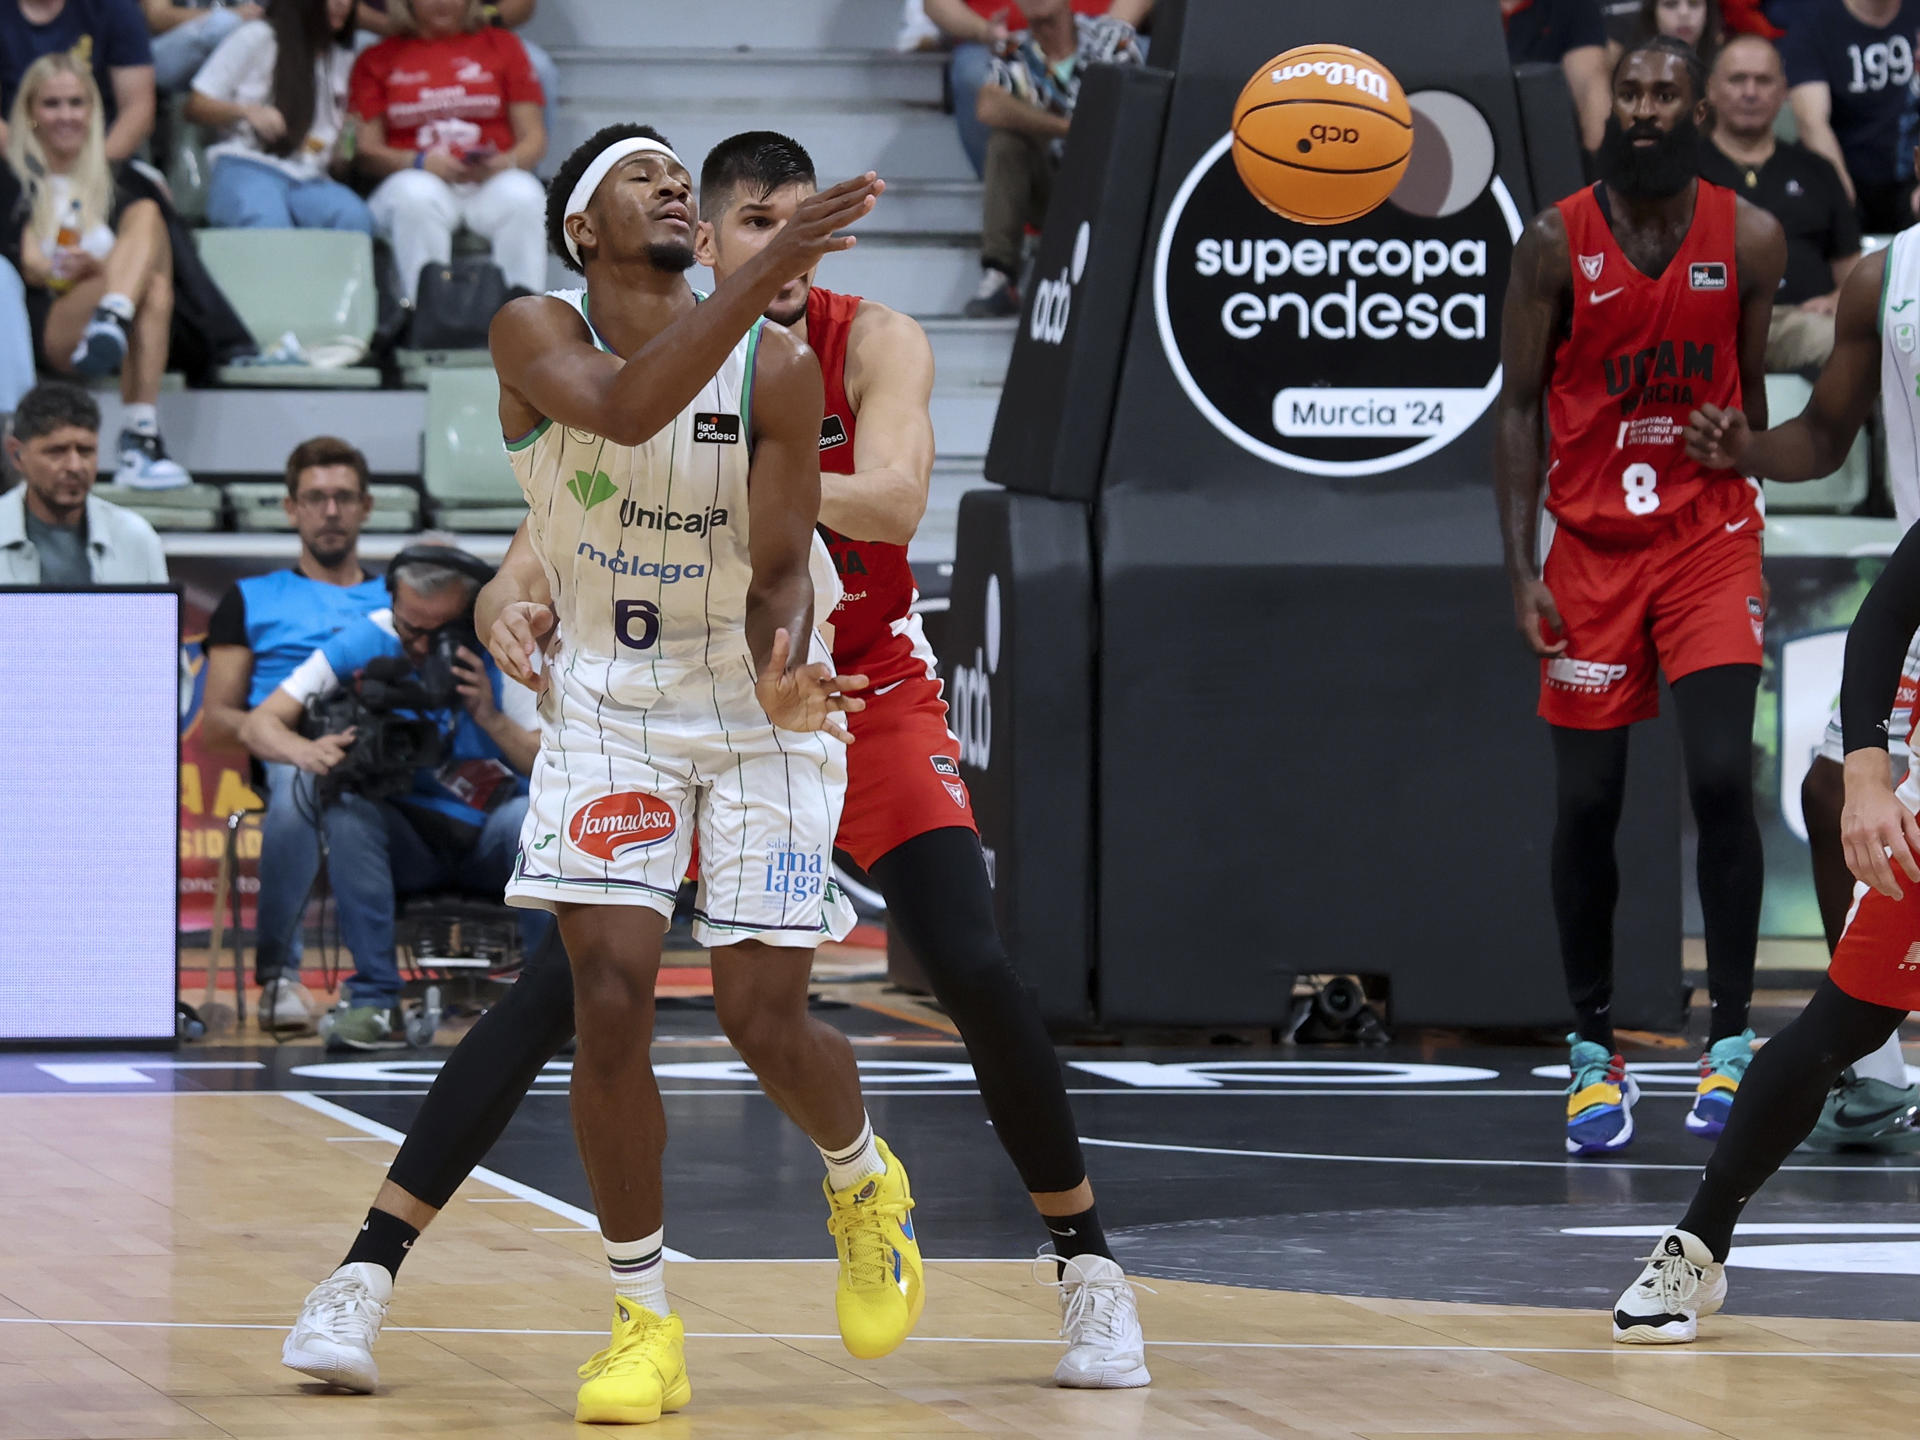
{"x": 256, "y": 507}
{"x": 1841, "y": 491}
{"x": 464, "y": 469}
{"x": 316, "y": 285}
{"x": 184, "y": 507}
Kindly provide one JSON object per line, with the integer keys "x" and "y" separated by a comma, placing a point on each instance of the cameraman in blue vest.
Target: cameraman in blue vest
{"x": 419, "y": 748}
{"x": 260, "y": 631}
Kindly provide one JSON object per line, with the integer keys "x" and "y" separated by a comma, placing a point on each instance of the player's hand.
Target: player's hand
{"x": 807, "y": 698}
{"x": 809, "y": 235}
{"x": 1718, "y": 438}
{"x": 1877, "y": 831}
{"x": 474, "y": 686}
{"x": 1539, "y": 618}
{"x": 323, "y": 754}
{"x": 522, "y": 630}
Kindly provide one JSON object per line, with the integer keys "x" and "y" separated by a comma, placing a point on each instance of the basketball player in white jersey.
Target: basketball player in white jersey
{"x": 1876, "y": 355}
{"x": 668, "y": 448}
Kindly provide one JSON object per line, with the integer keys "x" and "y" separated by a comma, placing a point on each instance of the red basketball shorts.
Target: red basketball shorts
{"x": 903, "y": 772}
{"x": 1878, "y": 958}
{"x": 1678, "y": 604}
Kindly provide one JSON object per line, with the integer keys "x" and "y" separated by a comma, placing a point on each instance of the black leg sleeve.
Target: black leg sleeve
{"x": 1716, "y": 732}
{"x": 487, "y": 1076}
{"x": 937, "y": 893}
{"x": 1590, "y": 784}
{"x": 1778, "y": 1103}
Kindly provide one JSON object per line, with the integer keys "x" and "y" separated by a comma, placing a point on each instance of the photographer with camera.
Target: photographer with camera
{"x": 260, "y": 631}
{"x": 418, "y": 747}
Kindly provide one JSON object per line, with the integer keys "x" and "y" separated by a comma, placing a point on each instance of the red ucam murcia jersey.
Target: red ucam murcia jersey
{"x": 1640, "y": 354}
{"x": 875, "y": 632}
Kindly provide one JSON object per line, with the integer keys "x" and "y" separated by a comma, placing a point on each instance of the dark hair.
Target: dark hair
{"x": 757, "y": 161}
{"x": 53, "y": 405}
{"x": 323, "y": 450}
{"x": 301, "y": 39}
{"x": 568, "y": 176}
{"x": 1667, "y": 45}
{"x": 1712, "y": 36}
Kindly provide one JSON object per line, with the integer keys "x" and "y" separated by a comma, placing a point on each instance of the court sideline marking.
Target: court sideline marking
{"x": 1568, "y": 1165}
{"x": 552, "y": 1204}
{"x": 1335, "y": 1346}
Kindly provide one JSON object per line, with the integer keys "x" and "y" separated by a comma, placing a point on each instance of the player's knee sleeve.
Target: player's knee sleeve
{"x": 483, "y": 1082}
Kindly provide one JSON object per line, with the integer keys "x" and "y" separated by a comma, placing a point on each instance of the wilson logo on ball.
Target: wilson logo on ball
{"x": 604, "y": 827}
{"x": 1322, "y": 134}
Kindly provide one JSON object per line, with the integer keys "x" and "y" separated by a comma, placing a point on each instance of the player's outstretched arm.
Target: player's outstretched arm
{"x": 514, "y": 612}
{"x": 1874, "y": 821}
{"x": 890, "y": 383}
{"x": 1814, "y": 443}
{"x": 1530, "y": 325}
{"x": 550, "y": 368}
{"x": 783, "y": 506}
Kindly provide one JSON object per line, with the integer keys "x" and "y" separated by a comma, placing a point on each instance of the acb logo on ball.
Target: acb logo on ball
{"x": 1352, "y": 348}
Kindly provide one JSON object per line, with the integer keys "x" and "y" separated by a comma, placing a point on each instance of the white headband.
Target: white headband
{"x": 598, "y": 170}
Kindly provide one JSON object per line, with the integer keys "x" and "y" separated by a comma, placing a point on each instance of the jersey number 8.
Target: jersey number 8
{"x": 1640, "y": 482}
{"x": 636, "y": 623}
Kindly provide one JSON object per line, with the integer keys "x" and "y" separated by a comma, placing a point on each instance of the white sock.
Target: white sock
{"x": 848, "y": 1167}
{"x": 119, "y": 305}
{"x": 141, "y": 418}
{"x": 637, "y": 1270}
{"x": 1886, "y": 1063}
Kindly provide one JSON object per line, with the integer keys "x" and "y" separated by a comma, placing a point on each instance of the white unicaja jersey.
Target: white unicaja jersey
{"x": 1900, "y": 373}
{"x": 645, "y": 546}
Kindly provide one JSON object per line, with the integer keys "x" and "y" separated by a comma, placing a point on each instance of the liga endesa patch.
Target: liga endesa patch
{"x": 604, "y": 827}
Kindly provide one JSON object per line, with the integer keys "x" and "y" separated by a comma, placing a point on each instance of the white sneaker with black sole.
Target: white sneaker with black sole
{"x": 1100, "y": 1323}
{"x": 286, "y": 1005}
{"x": 333, "y": 1339}
{"x": 1681, "y": 1285}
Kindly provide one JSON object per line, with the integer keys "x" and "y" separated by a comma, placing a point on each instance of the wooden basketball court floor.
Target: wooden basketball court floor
{"x": 1343, "y": 1243}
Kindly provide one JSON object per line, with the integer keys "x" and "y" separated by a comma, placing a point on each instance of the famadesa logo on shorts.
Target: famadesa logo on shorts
{"x": 604, "y": 827}
{"x": 1590, "y": 677}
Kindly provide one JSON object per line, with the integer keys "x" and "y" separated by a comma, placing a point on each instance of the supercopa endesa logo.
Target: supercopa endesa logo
{"x": 1350, "y": 349}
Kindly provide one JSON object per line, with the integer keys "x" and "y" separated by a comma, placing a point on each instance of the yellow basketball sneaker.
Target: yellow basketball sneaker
{"x": 640, "y": 1375}
{"x": 881, "y": 1289}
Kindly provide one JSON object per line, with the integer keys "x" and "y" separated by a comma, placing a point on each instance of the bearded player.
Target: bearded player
{"x": 908, "y": 818}
{"x": 1631, "y": 304}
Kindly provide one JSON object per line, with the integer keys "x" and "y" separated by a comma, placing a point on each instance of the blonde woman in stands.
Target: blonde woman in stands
{"x": 97, "y": 262}
{"x": 277, "y": 90}
{"x": 449, "y": 115}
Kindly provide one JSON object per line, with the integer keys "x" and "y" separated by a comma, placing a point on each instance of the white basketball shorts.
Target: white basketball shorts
{"x": 619, "y": 795}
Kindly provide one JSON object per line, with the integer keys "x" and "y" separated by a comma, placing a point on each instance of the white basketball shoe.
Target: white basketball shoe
{"x": 1682, "y": 1284}
{"x": 333, "y": 1338}
{"x": 1100, "y": 1323}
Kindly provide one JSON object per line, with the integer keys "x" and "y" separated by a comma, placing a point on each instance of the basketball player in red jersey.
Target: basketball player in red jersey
{"x": 908, "y": 820}
{"x": 1631, "y": 304}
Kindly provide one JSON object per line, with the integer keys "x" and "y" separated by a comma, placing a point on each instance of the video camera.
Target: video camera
{"x": 386, "y": 706}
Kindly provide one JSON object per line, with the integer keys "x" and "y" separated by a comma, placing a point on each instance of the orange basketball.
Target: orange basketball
{"x": 1322, "y": 134}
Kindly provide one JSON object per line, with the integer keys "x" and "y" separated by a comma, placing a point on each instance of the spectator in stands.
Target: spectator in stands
{"x": 53, "y": 529}
{"x": 458, "y": 825}
{"x": 186, "y": 32}
{"x": 109, "y": 35}
{"x": 261, "y": 630}
{"x": 371, "y": 15}
{"x": 97, "y": 262}
{"x": 1850, "y": 64}
{"x": 1027, "y": 105}
{"x": 16, "y": 340}
{"x": 982, "y": 31}
{"x": 1694, "y": 22}
{"x": 1798, "y": 188}
{"x": 1570, "y": 34}
{"x": 277, "y": 89}
{"x": 449, "y": 113}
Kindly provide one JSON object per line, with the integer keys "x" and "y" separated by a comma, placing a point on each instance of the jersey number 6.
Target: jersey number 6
{"x": 636, "y": 623}
{"x": 1640, "y": 482}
